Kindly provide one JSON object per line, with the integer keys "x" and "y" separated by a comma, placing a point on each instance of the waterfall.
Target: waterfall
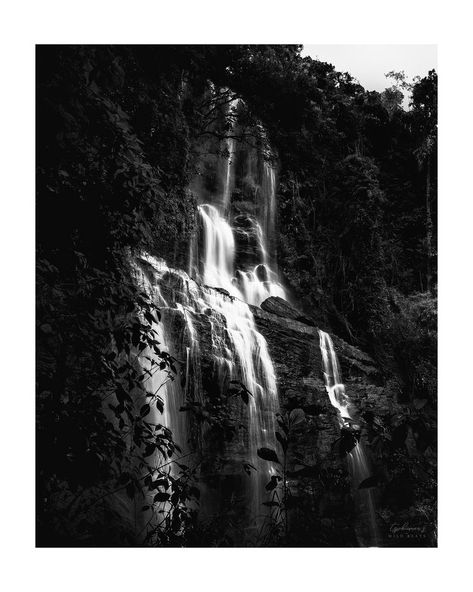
{"x": 258, "y": 278}
{"x": 333, "y": 384}
{"x": 238, "y": 352}
{"x": 230, "y": 160}
{"x": 252, "y": 286}
{"x": 217, "y": 303}
{"x": 229, "y": 172}
{"x": 219, "y": 250}
{"x": 250, "y": 361}
{"x": 207, "y": 325}
{"x": 357, "y": 460}
{"x": 268, "y": 191}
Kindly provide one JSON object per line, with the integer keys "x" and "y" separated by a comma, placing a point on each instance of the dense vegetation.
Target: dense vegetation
{"x": 119, "y": 130}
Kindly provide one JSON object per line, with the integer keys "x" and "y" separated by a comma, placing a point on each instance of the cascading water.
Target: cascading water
{"x": 219, "y": 299}
{"x": 333, "y": 384}
{"x": 357, "y": 461}
{"x": 228, "y": 173}
{"x": 230, "y": 145}
{"x": 260, "y": 281}
{"x": 249, "y": 358}
{"x": 239, "y": 352}
{"x": 268, "y": 190}
{"x": 219, "y": 251}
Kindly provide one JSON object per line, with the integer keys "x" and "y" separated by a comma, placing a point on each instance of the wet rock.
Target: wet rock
{"x": 281, "y": 308}
{"x": 220, "y": 291}
{"x": 318, "y": 474}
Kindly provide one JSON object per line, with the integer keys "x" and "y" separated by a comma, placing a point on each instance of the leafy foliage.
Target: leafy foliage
{"x": 216, "y": 416}
{"x": 281, "y": 498}
{"x": 108, "y": 185}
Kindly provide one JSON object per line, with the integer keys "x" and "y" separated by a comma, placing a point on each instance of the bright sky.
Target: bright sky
{"x": 369, "y": 63}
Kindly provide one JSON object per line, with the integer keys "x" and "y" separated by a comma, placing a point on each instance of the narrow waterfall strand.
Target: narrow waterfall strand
{"x": 357, "y": 460}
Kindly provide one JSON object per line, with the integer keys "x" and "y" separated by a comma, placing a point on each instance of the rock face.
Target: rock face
{"x": 294, "y": 349}
{"x": 281, "y": 308}
{"x": 323, "y": 511}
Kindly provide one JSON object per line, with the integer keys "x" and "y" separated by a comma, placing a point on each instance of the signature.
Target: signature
{"x": 404, "y": 530}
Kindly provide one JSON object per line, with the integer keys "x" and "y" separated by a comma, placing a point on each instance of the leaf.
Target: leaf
{"x": 150, "y": 448}
{"x": 283, "y": 426}
{"x": 282, "y": 440}
{"x": 345, "y": 443}
{"x": 244, "y": 396}
{"x": 273, "y": 483}
{"x": 149, "y": 317}
{"x": 161, "y": 497}
{"x": 145, "y": 410}
{"x": 159, "y": 483}
{"x": 241, "y": 390}
{"x": 267, "y": 454}
{"x": 247, "y": 468}
{"x": 369, "y": 482}
{"x": 121, "y": 394}
{"x": 159, "y": 404}
{"x": 296, "y": 417}
{"x": 271, "y": 504}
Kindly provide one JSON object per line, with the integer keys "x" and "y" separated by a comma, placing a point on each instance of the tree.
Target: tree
{"x": 424, "y": 106}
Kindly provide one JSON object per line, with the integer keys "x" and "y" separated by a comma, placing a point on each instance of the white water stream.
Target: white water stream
{"x": 357, "y": 461}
